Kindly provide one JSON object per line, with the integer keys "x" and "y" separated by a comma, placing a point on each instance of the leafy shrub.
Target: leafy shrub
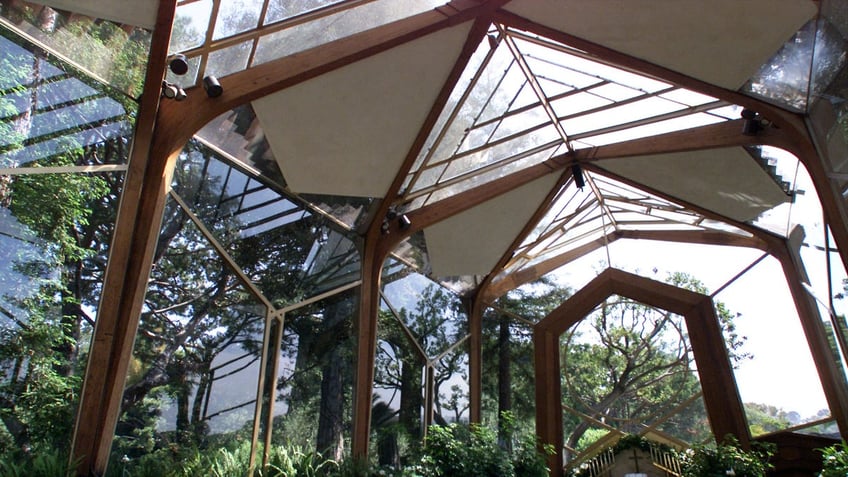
{"x": 835, "y": 460}
{"x": 460, "y": 451}
{"x": 44, "y": 463}
{"x": 727, "y": 459}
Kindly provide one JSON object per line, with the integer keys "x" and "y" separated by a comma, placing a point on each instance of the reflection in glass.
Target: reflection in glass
{"x": 112, "y": 51}
{"x": 288, "y": 250}
{"x": 51, "y": 115}
{"x": 314, "y": 388}
{"x": 195, "y": 364}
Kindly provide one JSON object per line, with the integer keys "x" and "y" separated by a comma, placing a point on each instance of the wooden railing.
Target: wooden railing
{"x": 603, "y": 463}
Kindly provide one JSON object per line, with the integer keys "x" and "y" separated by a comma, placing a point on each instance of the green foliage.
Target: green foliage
{"x": 44, "y": 463}
{"x": 460, "y": 451}
{"x": 835, "y": 460}
{"x": 727, "y": 459}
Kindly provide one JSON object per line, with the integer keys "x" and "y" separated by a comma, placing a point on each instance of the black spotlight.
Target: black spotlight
{"x": 404, "y": 222}
{"x": 178, "y": 64}
{"x": 752, "y": 125}
{"x": 577, "y": 173}
{"x": 212, "y": 86}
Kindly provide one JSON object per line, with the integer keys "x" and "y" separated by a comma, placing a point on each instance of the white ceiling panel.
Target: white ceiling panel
{"x": 471, "y": 243}
{"x": 727, "y": 181}
{"x": 723, "y": 42}
{"x": 348, "y": 131}
{"x": 131, "y": 12}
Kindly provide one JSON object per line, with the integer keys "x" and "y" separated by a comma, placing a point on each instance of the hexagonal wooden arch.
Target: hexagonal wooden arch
{"x": 721, "y": 396}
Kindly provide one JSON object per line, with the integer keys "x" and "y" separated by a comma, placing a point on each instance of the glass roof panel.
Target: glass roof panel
{"x": 577, "y": 218}
{"x": 113, "y": 52}
{"x": 272, "y": 237}
{"x": 48, "y": 108}
{"x": 237, "y": 16}
{"x": 190, "y": 24}
{"x": 228, "y": 60}
{"x": 282, "y": 9}
{"x": 785, "y": 79}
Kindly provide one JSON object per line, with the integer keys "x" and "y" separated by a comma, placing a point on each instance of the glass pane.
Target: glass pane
{"x": 314, "y": 393}
{"x": 193, "y": 378}
{"x": 288, "y": 251}
{"x": 190, "y": 25}
{"x": 115, "y": 52}
{"x": 450, "y": 391}
{"x": 339, "y": 25}
{"x": 239, "y": 134}
{"x": 236, "y": 16}
{"x": 228, "y": 60}
{"x": 50, "y": 114}
{"x": 775, "y": 370}
{"x": 55, "y": 232}
{"x": 785, "y": 78}
{"x": 282, "y": 9}
{"x": 626, "y": 366}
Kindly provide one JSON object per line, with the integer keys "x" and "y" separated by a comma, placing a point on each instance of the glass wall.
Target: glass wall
{"x": 422, "y": 363}
{"x": 64, "y": 143}
{"x": 249, "y": 309}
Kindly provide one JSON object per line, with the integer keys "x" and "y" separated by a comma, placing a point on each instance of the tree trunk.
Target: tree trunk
{"x": 330, "y": 441}
{"x": 411, "y": 399}
{"x": 504, "y": 380}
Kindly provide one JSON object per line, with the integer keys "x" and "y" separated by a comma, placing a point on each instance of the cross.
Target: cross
{"x": 635, "y": 459}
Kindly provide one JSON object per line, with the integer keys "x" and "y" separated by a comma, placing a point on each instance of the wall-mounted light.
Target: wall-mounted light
{"x": 212, "y": 86}
{"x": 752, "y": 125}
{"x": 178, "y": 64}
{"x": 404, "y": 222}
{"x": 577, "y": 173}
{"x": 172, "y": 91}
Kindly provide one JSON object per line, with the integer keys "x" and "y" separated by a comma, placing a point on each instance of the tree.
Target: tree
{"x": 508, "y": 378}
{"x": 628, "y": 364}
{"x": 436, "y": 323}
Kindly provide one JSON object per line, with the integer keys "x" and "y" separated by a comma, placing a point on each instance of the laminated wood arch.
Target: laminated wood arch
{"x": 721, "y": 397}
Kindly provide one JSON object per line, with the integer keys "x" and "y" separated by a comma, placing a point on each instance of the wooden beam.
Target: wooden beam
{"x": 718, "y": 384}
{"x": 830, "y": 374}
{"x": 721, "y": 396}
{"x": 267, "y": 78}
{"x": 379, "y": 243}
{"x": 548, "y": 395}
{"x": 796, "y": 137}
{"x": 133, "y": 242}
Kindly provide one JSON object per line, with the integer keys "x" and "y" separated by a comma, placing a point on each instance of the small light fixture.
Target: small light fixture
{"x": 751, "y": 126}
{"x": 212, "y": 86}
{"x": 172, "y": 91}
{"x": 404, "y": 222}
{"x": 178, "y": 64}
{"x": 577, "y": 173}
{"x": 493, "y": 41}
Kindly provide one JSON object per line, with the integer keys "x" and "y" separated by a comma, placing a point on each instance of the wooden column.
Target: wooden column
{"x": 125, "y": 282}
{"x": 830, "y": 374}
{"x": 475, "y": 360}
{"x": 548, "y": 395}
{"x": 718, "y": 384}
{"x": 366, "y": 338}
